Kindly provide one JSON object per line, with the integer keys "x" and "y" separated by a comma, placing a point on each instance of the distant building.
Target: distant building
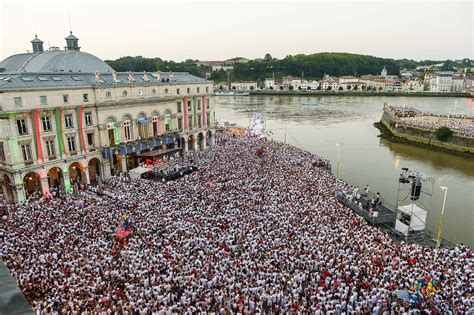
{"x": 441, "y": 82}
{"x": 269, "y": 83}
{"x": 243, "y": 85}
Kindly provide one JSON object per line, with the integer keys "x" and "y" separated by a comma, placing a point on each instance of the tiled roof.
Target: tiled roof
{"x": 66, "y": 80}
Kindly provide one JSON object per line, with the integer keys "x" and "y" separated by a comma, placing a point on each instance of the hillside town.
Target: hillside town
{"x": 421, "y": 79}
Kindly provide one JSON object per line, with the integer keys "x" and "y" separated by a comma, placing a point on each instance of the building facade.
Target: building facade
{"x": 66, "y": 116}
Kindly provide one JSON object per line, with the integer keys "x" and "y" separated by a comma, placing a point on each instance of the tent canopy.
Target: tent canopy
{"x": 157, "y": 153}
{"x": 137, "y": 172}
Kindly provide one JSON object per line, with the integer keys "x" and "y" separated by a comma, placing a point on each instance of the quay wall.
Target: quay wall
{"x": 345, "y": 93}
{"x": 456, "y": 144}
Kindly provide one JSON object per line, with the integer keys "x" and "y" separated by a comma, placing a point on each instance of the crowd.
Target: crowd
{"x": 460, "y": 124}
{"x": 244, "y": 234}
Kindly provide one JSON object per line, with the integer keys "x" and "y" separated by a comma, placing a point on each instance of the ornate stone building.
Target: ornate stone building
{"x": 68, "y": 116}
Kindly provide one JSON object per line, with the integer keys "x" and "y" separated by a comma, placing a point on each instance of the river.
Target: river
{"x": 317, "y": 123}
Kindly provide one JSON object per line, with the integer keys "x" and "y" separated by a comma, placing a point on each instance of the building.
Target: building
{"x": 66, "y": 116}
{"x": 243, "y": 85}
{"x": 441, "y": 82}
{"x": 269, "y": 84}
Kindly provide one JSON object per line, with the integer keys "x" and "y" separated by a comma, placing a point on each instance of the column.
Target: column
{"x": 18, "y": 189}
{"x": 124, "y": 163}
{"x": 44, "y": 186}
{"x": 105, "y": 172}
{"x": 67, "y": 181}
{"x": 86, "y": 181}
{"x": 186, "y": 122}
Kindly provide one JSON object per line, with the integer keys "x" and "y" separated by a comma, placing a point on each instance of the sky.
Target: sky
{"x": 218, "y": 30}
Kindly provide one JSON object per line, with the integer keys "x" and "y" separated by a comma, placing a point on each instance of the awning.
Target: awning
{"x": 142, "y": 120}
{"x": 137, "y": 172}
{"x": 157, "y": 153}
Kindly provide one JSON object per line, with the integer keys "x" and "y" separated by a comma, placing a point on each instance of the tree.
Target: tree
{"x": 271, "y": 88}
{"x": 341, "y": 88}
{"x": 318, "y": 88}
{"x": 299, "y": 88}
{"x": 251, "y": 87}
{"x": 233, "y": 88}
{"x": 291, "y": 88}
{"x": 267, "y": 57}
{"x": 443, "y": 133}
{"x": 380, "y": 89}
{"x": 221, "y": 87}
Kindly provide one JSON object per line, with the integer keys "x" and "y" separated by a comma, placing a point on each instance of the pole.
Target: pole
{"x": 285, "y": 135}
{"x": 441, "y": 222}
{"x": 338, "y": 156}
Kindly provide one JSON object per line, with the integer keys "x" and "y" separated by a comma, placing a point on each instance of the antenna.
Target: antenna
{"x": 69, "y": 17}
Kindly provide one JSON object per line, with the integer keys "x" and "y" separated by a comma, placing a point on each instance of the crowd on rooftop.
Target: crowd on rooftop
{"x": 247, "y": 233}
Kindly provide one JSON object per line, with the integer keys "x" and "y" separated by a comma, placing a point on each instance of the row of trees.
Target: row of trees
{"x": 312, "y": 66}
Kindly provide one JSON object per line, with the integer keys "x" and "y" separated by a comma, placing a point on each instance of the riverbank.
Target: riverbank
{"x": 338, "y": 93}
{"x": 461, "y": 146}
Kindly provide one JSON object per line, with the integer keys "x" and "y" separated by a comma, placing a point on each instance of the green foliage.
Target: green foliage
{"x": 443, "y": 133}
{"x": 313, "y": 65}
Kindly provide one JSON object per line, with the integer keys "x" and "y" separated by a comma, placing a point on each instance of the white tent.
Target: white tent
{"x": 137, "y": 172}
{"x": 417, "y": 217}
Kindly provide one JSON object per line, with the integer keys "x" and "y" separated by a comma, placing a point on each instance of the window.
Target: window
{"x": 127, "y": 128}
{"x": 71, "y": 143}
{"x": 155, "y": 125}
{"x": 198, "y": 89}
{"x": 177, "y": 91}
{"x": 108, "y": 94}
{"x": 88, "y": 118}
{"x": 208, "y": 118}
{"x": 90, "y": 141}
{"x": 153, "y": 91}
{"x": 124, "y": 93}
{"x": 166, "y": 91}
{"x": 199, "y": 104}
{"x": 178, "y": 106}
{"x": 207, "y": 89}
{"x": 46, "y": 123}
{"x": 139, "y": 93}
{"x": 43, "y": 100}
{"x": 189, "y": 106}
{"x": 66, "y": 98}
{"x": 22, "y": 129}
{"x": 26, "y": 152}
{"x": 190, "y": 121}
{"x": 2, "y": 152}
{"x": 208, "y": 102}
{"x": 68, "y": 121}
{"x": 17, "y": 101}
{"x": 180, "y": 124}
{"x": 188, "y": 90}
{"x": 85, "y": 97}
{"x": 199, "y": 121}
{"x": 50, "y": 148}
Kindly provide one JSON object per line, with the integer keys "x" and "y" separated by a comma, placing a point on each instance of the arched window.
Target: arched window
{"x": 155, "y": 120}
{"x": 153, "y": 91}
{"x": 108, "y": 94}
{"x": 127, "y": 127}
{"x": 124, "y": 93}
{"x": 142, "y": 126}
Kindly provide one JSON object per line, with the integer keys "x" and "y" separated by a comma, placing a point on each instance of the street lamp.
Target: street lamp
{"x": 338, "y": 156}
{"x": 441, "y": 221}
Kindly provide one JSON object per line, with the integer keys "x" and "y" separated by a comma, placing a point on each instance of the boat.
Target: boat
{"x": 231, "y": 93}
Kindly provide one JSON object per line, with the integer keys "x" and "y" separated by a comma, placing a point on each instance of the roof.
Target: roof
{"x": 72, "y": 37}
{"x": 55, "y": 61}
{"x": 12, "y": 300}
{"x": 77, "y": 79}
{"x": 36, "y": 40}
